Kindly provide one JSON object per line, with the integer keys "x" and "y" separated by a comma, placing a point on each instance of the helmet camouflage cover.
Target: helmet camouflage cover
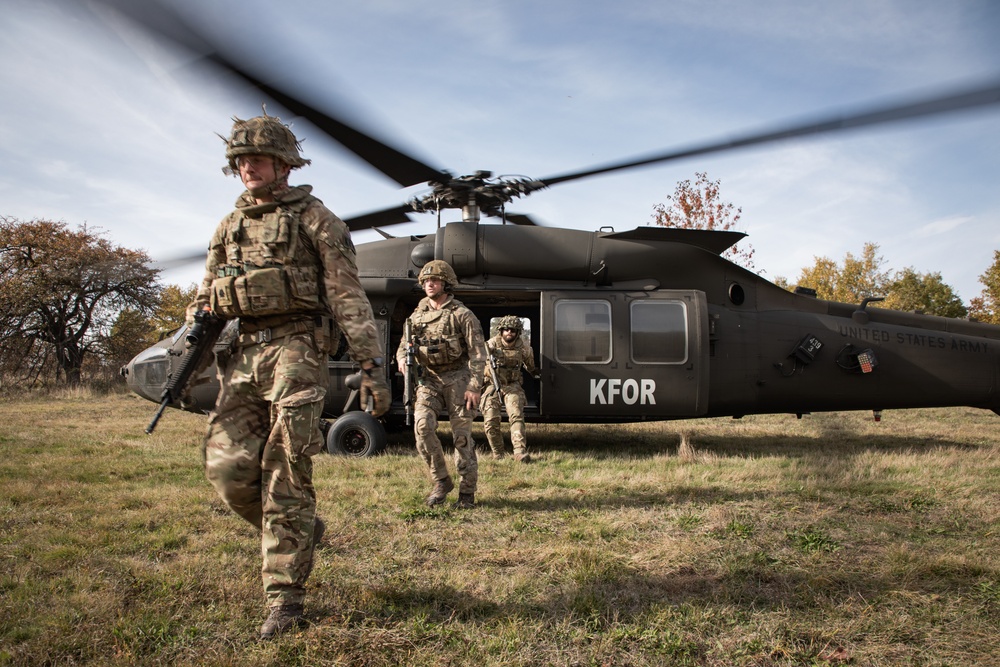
{"x": 440, "y": 269}
{"x": 512, "y": 322}
{"x": 263, "y": 135}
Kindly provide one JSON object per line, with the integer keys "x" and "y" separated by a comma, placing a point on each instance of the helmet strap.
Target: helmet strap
{"x": 270, "y": 189}
{"x": 279, "y": 184}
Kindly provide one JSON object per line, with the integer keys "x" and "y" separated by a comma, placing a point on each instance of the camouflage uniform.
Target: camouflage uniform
{"x": 451, "y": 354}
{"x": 510, "y": 360}
{"x": 282, "y": 267}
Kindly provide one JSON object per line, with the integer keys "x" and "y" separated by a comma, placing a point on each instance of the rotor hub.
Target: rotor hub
{"x": 475, "y": 194}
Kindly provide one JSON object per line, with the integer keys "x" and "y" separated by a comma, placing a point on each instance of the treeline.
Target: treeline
{"x": 699, "y": 204}
{"x": 75, "y": 307}
{"x": 865, "y": 276}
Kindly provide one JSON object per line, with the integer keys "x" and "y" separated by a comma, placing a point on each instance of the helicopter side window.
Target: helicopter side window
{"x": 583, "y": 332}
{"x": 659, "y": 332}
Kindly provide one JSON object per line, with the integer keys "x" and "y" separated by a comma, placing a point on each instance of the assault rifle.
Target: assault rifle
{"x": 495, "y": 373}
{"x": 409, "y": 379}
{"x": 199, "y": 341}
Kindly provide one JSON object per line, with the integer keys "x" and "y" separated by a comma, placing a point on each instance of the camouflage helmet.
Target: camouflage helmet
{"x": 512, "y": 322}
{"x": 262, "y": 135}
{"x": 440, "y": 269}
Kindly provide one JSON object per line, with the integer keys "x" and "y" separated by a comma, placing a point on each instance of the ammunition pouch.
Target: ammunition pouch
{"x": 508, "y": 366}
{"x": 438, "y": 343}
{"x": 437, "y": 353}
{"x": 262, "y": 292}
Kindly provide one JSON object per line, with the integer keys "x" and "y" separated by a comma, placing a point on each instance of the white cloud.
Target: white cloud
{"x": 939, "y": 227}
{"x": 109, "y": 130}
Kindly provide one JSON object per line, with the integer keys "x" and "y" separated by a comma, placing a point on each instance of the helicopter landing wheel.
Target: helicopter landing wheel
{"x": 356, "y": 434}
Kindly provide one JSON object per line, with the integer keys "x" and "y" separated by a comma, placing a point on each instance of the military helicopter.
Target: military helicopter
{"x": 647, "y": 324}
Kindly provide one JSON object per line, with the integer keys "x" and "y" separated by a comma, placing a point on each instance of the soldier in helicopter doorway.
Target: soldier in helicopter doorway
{"x": 509, "y": 354}
{"x": 446, "y": 341}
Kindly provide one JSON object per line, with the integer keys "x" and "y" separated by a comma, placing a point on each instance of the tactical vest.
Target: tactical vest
{"x": 440, "y": 344}
{"x": 509, "y": 360}
{"x": 265, "y": 274}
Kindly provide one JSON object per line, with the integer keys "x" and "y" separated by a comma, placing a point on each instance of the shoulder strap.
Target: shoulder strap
{"x": 293, "y": 210}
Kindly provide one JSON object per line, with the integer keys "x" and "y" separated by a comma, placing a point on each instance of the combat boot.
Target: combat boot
{"x": 441, "y": 489}
{"x": 285, "y": 617}
{"x": 498, "y": 450}
{"x": 466, "y": 501}
{"x": 522, "y": 457}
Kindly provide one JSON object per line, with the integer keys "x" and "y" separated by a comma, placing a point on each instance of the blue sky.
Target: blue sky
{"x": 104, "y": 127}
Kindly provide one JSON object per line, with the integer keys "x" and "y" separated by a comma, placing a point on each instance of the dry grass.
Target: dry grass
{"x": 764, "y": 541}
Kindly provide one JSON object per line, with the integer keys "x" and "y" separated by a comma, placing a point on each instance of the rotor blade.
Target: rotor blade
{"x": 966, "y": 99}
{"x": 520, "y": 219}
{"x": 390, "y": 216}
{"x": 158, "y": 19}
{"x": 193, "y": 257}
{"x": 395, "y": 164}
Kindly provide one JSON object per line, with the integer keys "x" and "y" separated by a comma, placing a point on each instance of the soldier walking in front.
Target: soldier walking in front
{"x": 284, "y": 265}
{"x": 509, "y": 354}
{"x": 447, "y": 342}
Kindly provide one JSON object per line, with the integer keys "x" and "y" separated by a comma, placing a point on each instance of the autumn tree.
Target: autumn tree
{"x": 172, "y": 308}
{"x": 923, "y": 292}
{"x": 700, "y": 206}
{"x": 130, "y": 333}
{"x": 851, "y": 282}
{"x": 133, "y": 331}
{"x": 859, "y": 278}
{"x": 986, "y": 306}
{"x": 61, "y": 291}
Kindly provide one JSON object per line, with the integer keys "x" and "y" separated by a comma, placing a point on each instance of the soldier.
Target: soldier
{"x": 284, "y": 265}
{"x": 451, "y": 355}
{"x": 509, "y": 353}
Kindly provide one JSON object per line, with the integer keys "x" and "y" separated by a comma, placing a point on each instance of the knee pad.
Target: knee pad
{"x": 424, "y": 426}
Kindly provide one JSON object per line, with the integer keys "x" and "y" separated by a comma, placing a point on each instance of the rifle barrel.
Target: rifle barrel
{"x": 156, "y": 417}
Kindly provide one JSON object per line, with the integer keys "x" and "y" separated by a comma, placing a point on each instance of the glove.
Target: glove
{"x": 373, "y": 385}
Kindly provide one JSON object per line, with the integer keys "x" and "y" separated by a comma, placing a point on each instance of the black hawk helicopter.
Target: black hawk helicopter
{"x": 646, "y": 324}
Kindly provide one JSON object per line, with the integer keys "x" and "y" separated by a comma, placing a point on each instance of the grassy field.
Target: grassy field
{"x": 829, "y": 540}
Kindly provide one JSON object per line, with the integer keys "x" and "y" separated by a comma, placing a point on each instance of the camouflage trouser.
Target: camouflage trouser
{"x": 435, "y": 394}
{"x": 261, "y": 437}
{"x": 513, "y": 399}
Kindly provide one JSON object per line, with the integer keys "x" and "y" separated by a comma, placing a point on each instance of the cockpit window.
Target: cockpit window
{"x": 151, "y": 373}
